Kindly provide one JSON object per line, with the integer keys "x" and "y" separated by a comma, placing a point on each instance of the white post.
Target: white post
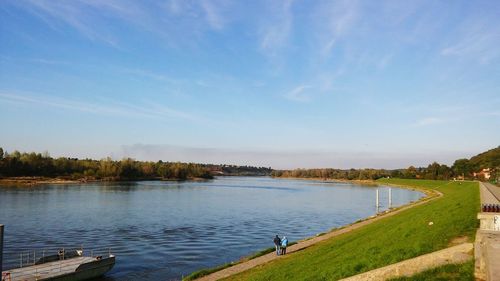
{"x": 390, "y": 197}
{"x": 376, "y": 203}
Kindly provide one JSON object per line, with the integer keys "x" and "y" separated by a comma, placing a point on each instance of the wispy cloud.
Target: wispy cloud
{"x": 36, "y": 60}
{"x": 87, "y": 17}
{"x": 47, "y": 61}
{"x": 494, "y": 113}
{"x": 276, "y": 32}
{"x": 151, "y": 74}
{"x": 476, "y": 39}
{"x": 144, "y": 110}
{"x": 337, "y": 17}
{"x": 428, "y": 121}
{"x": 97, "y": 20}
{"x": 212, "y": 15}
{"x": 299, "y": 94}
{"x": 384, "y": 61}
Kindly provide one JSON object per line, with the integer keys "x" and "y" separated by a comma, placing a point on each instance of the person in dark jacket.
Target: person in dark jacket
{"x": 277, "y": 244}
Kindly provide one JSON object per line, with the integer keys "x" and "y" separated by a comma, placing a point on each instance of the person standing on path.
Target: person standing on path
{"x": 277, "y": 244}
{"x": 284, "y": 243}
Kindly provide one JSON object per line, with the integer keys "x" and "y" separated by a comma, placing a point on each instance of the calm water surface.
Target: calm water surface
{"x": 164, "y": 230}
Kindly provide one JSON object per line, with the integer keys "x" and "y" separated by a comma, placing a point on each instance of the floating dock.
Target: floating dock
{"x": 74, "y": 269}
{"x": 63, "y": 266}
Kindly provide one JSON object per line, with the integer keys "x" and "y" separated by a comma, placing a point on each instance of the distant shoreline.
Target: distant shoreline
{"x": 365, "y": 182}
{"x": 35, "y": 181}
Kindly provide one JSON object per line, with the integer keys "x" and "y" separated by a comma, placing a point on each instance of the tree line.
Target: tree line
{"x": 17, "y": 164}
{"x": 461, "y": 168}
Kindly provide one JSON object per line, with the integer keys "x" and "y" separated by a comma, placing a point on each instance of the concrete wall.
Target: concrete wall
{"x": 456, "y": 254}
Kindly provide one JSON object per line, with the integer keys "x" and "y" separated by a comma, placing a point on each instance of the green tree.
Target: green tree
{"x": 128, "y": 169}
{"x": 462, "y": 167}
{"x": 432, "y": 171}
{"x": 396, "y": 174}
{"x": 410, "y": 173}
{"x": 107, "y": 168}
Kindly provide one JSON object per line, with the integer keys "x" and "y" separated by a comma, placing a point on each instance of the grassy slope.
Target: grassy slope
{"x": 387, "y": 241}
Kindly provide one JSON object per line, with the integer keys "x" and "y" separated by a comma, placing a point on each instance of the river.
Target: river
{"x": 165, "y": 230}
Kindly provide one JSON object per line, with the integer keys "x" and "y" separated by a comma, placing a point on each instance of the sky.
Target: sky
{"x": 285, "y": 84}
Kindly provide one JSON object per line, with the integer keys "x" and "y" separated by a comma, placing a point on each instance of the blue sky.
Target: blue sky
{"x": 285, "y": 84}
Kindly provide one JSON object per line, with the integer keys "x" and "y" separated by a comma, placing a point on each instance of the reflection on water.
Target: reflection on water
{"x": 164, "y": 230}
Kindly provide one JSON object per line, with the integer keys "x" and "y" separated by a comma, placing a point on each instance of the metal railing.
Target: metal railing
{"x": 32, "y": 257}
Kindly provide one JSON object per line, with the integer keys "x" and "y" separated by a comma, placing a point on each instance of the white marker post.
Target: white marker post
{"x": 390, "y": 197}
{"x": 376, "y": 203}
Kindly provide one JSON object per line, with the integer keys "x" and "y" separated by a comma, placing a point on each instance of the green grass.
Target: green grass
{"x": 457, "y": 272}
{"x": 390, "y": 240}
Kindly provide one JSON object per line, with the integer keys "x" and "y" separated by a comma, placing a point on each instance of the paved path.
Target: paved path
{"x": 487, "y": 241}
{"x": 490, "y": 194}
{"x": 238, "y": 268}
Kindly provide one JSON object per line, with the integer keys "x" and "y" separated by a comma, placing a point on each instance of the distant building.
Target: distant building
{"x": 484, "y": 173}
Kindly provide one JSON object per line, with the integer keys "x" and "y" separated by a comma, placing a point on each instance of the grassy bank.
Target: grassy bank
{"x": 384, "y": 242}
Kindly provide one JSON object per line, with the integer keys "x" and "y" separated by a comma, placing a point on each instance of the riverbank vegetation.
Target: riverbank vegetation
{"x": 387, "y": 241}
{"x": 17, "y": 164}
{"x": 461, "y": 169}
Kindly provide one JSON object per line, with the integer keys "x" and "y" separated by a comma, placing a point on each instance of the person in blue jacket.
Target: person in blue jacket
{"x": 284, "y": 243}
